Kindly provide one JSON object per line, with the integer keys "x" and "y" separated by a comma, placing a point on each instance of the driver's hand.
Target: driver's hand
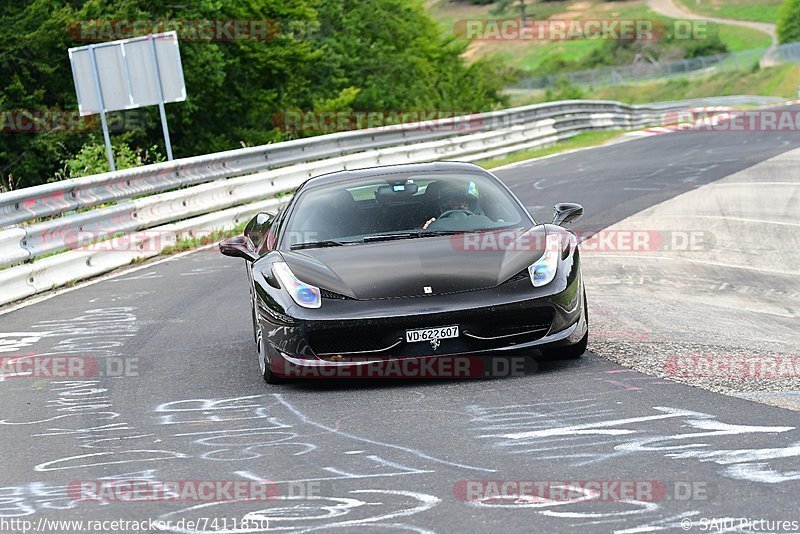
{"x": 428, "y": 223}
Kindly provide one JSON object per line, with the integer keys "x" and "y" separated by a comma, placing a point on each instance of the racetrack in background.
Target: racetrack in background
{"x": 389, "y": 455}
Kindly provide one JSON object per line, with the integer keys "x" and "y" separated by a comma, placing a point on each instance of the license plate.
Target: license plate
{"x": 427, "y": 334}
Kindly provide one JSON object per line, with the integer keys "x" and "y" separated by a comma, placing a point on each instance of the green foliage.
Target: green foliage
{"x": 760, "y": 11}
{"x": 92, "y": 159}
{"x": 780, "y": 81}
{"x": 341, "y": 102}
{"x": 788, "y": 24}
{"x": 394, "y": 52}
{"x": 625, "y": 52}
{"x": 564, "y": 90}
{"x": 381, "y": 55}
{"x": 710, "y": 46}
{"x": 182, "y": 244}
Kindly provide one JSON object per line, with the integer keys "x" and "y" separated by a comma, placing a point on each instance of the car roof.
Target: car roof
{"x": 436, "y": 166}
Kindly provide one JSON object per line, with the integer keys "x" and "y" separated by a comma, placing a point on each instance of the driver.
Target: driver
{"x": 454, "y": 200}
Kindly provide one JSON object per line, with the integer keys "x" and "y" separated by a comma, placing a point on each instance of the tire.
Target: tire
{"x": 261, "y": 351}
{"x": 572, "y": 352}
{"x": 272, "y": 379}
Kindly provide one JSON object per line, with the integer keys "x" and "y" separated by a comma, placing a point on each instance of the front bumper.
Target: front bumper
{"x": 347, "y": 332}
{"x": 448, "y": 366}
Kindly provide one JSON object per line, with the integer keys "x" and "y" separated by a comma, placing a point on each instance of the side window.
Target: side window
{"x": 275, "y": 229}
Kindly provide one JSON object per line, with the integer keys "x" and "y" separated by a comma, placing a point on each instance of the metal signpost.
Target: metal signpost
{"x": 128, "y": 74}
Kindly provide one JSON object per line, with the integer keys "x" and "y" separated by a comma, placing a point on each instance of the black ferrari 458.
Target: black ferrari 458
{"x": 410, "y": 261}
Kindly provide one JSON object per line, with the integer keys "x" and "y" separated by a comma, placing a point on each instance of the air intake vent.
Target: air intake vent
{"x": 522, "y": 275}
{"x": 324, "y": 293}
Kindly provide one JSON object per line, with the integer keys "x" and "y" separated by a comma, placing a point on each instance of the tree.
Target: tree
{"x": 396, "y": 55}
{"x": 377, "y": 55}
{"x": 788, "y": 23}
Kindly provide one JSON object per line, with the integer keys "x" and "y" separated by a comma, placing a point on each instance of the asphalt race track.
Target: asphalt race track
{"x": 384, "y": 456}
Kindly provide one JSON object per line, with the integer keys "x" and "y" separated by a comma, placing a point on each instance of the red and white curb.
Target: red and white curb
{"x": 712, "y": 116}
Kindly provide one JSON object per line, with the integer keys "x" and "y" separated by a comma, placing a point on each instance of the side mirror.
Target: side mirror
{"x": 566, "y": 212}
{"x": 264, "y": 219}
{"x": 238, "y": 247}
{"x": 258, "y": 228}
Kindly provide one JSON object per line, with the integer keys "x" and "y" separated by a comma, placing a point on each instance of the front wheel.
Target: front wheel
{"x": 263, "y": 360}
{"x": 571, "y": 352}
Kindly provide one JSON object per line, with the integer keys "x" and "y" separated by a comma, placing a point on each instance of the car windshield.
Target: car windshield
{"x": 399, "y": 206}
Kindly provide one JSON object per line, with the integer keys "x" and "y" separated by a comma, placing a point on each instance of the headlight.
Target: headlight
{"x": 304, "y": 295}
{"x": 544, "y": 270}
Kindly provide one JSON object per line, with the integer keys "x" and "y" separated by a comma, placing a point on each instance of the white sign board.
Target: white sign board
{"x": 128, "y": 72}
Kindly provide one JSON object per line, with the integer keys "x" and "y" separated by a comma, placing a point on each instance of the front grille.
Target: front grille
{"x": 528, "y": 326}
{"x": 350, "y": 342}
{"x": 479, "y": 330}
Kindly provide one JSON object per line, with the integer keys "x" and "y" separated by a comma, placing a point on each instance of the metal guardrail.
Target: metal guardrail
{"x": 54, "y": 198}
{"x": 220, "y": 190}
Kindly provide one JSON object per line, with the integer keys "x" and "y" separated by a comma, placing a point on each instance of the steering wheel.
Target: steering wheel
{"x": 448, "y": 213}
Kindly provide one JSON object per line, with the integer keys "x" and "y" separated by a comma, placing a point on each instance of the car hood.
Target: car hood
{"x": 404, "y": 268}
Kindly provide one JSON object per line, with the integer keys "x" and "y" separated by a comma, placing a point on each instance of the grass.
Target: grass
{"x": 735, "y": 38}
{"x": 530, "y": 56}
{"x": 780, "y": 81}
{"x": 759, "y": 11}
{"x": 190, "y": 243}
{"x": 583, "y": 140}
{"x": 738, "y": 38}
